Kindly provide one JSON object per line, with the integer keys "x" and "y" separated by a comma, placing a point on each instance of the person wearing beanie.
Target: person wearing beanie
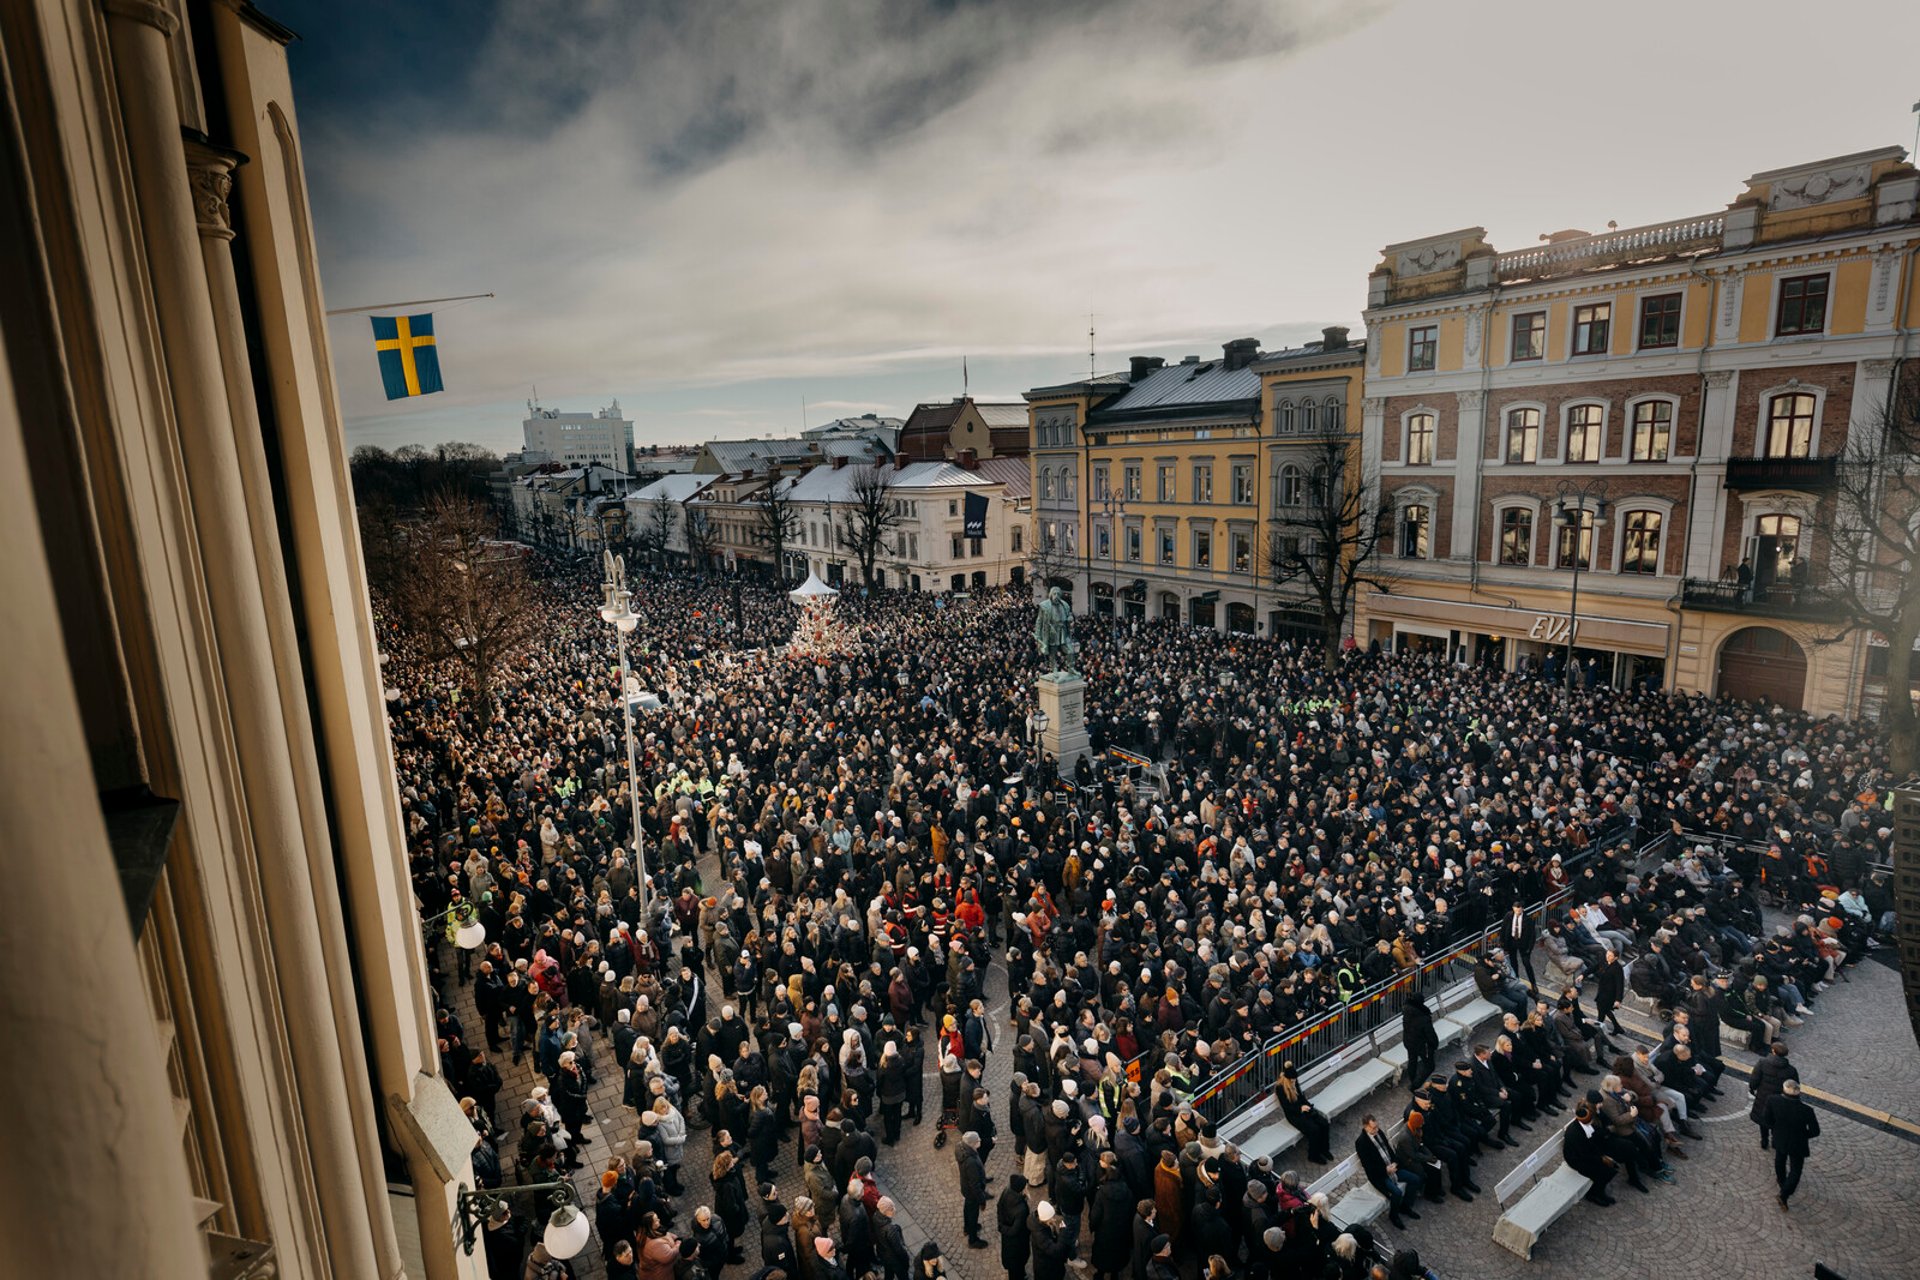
{"x": 1050, "y": 1247}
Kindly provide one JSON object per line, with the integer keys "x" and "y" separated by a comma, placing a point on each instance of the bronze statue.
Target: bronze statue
{"x": 1053, "y": 633}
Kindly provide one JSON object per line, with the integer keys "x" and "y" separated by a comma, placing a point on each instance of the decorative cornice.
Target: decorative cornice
{"x": 150, "y": 13}
{"x": 210, "y": 173}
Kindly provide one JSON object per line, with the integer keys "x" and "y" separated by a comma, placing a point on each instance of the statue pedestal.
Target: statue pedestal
{"x": 1063, "y": 696}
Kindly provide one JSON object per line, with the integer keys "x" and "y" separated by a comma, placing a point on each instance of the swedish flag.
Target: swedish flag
{"x": 409, "y": 361}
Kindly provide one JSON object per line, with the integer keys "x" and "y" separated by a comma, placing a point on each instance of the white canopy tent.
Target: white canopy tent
{"x": 811, "y": 590}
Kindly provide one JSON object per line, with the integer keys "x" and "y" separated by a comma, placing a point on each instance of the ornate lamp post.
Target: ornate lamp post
{"x": 567, "y": 1230}
{"x": 617, "y": 611}
{"x": 1114, "y": 507}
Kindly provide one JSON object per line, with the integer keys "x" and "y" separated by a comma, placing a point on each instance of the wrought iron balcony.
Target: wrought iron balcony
{"x": 1782, "y": 473}
{"x": 1776, "y": 600}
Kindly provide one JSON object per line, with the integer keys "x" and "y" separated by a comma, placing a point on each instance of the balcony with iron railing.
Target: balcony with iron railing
{"x": 1612, "y": 248}
{"x": 1771, "y": 600}
{"x": 1782, "y": 473}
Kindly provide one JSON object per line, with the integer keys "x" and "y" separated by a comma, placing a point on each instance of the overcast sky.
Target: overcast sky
{"x": 718, "y": 210}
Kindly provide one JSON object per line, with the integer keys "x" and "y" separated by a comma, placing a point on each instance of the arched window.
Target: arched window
{"x": 1046, "y": 482}
{"x": 1309, "y": 417}
{"x": 1640, "y": 542}
{"x": 1420, "y": 440}
{"x": 1285, "y": 412}
{"x": 1516, "y": 536}
{"x": 1416, "y": 523}
{"x": 1652, "y": 430}
{"x": 1317, "y": 490}
{"x": 1789, "y": 426}
{"x": 1336, "y": 414}
{"x": 1584, "y": 430}
{"x": 1523, "y": 435}
{"x": 1293, "y": 486}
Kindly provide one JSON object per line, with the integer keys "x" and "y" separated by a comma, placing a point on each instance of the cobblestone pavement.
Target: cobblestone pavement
{"x": 1854, "y": 1210}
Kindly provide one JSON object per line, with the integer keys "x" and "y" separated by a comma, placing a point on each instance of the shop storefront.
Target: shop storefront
{"x": 1605, "y": 650}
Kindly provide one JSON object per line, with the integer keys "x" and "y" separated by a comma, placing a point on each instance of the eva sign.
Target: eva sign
{"x": 1552, "y": 629}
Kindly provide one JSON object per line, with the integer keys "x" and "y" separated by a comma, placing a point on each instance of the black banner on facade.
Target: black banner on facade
{"x": 976, "y": 515}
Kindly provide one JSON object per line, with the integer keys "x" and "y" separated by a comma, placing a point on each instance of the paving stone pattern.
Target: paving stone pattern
{"x": 1855, "y": 1210}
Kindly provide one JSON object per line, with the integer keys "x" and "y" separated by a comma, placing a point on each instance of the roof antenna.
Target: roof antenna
{"x": 1090, "y": 373}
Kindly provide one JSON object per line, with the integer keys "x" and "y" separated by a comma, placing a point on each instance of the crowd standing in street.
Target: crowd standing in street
{"x": 851, "y": 853}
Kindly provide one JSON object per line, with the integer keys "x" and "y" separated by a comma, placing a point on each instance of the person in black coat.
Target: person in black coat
{"x": 1014, "y": 1217}
{"x": 1398, "y": 1184}
{"x": 1303, "y": 1115}
{"x": 763, "y": 1135}
{"x": 1112, "y": 1219}
{"x": 973, "y": 1184}
{"x": 1794, "y": 1126}
{"x": 1051, "y": 1247}
{"x": 1423, "y": 1043}
{"x": 570, "y": 1100}
{"x": 776, "y": 1238}
{"x": 1518, "y": 933}
{"x": 1768, "y": 1081}
{"x": 1584, "y": 1149}
{"x": 1610, "y": 989}
{"x": 889, "y": 1243}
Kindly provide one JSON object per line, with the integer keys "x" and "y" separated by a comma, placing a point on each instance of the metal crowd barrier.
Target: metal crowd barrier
{"x": 1314, "y": 1040}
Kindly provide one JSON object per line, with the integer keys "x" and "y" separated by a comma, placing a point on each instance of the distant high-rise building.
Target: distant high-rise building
{"x": 579, "y": 438}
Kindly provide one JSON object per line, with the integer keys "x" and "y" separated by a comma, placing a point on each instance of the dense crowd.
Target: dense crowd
{"x": 845, "y": 850}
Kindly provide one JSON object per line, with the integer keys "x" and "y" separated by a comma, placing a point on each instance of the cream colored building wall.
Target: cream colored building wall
{"x": 245, "y": 969}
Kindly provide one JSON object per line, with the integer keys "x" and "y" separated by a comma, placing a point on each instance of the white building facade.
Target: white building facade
{"x": 575, "y": 439}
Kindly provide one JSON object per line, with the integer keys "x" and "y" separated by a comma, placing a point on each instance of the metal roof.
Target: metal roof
{"x": 1201, "y": 383}
{"x": 674, "y": 488}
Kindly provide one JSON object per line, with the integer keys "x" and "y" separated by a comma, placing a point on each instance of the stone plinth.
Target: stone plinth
{"x": 1063, "y": 696}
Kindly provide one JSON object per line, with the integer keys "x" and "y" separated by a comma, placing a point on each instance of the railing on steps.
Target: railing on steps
{"x": 1315, "y": 1040}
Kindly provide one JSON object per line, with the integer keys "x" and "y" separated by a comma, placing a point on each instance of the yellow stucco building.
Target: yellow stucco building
{"x": 1660, "y": 410}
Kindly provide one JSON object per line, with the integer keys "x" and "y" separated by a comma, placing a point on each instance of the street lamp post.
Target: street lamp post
{"x": 1575, "y": 502}
{"x": 1115, "y": 509}
{"x": 617, "y": 611}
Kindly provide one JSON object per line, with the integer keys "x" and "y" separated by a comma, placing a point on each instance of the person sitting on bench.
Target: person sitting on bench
{"x": 1584, "y": 1150}
{"x": 1389, "y": 1177}
{"x": 1303, "y": 1115}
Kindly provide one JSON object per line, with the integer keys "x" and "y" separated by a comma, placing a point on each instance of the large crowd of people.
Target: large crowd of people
{"x": 849, "y": 855}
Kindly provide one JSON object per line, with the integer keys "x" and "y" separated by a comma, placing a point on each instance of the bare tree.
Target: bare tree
{"x": 1869, "y": 578}
{"x": 658, "y": 535}
{"x": 870, "y": 516}
{"x": 465, "y": 596}
{"x": 699, "y": 529}
{"x": 778, "y": 526}
{"x": 1050, "y": 554}
{"x": 1329, "y": 534}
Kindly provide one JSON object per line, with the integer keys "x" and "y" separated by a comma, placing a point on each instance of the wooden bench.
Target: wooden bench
{"x": 1535, "y": 1195}
{"x": 1351, "y": 1085}
{"x": 1351, "y": 1199}
{"x": 1260, "y": 1131}
{"x": 1468, "y": 1016}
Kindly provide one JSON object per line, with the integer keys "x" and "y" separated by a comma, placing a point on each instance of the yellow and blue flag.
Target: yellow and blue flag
{"x": 409, "y": 360}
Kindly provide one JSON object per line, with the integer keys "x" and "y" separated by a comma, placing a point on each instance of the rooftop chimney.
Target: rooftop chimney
{"x": 1333, "y": 338}
{"x": 1142, "y": 366}
{"x": 839, "y": 461}
{"x": 1240, "y": 352}
{"x": 967, "y": 460}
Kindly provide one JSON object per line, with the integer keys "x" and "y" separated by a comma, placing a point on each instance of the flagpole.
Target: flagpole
{"x": 417, "y": 302}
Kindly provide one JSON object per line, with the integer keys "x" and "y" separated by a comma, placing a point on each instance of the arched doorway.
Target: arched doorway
{"x": 1169, "y": 605}
{"x": 1763, "y": 663}
{"x": 1240, "y": 617}
{"x": 1103, "y": 599}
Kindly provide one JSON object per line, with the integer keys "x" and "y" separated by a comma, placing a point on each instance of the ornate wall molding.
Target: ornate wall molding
{"x": 210, "y": 173}
{"x": 150, "y": 13}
